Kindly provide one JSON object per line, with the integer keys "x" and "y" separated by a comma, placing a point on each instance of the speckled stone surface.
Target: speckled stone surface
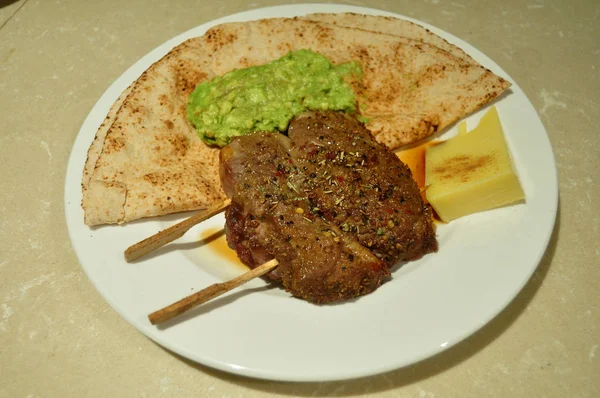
{"x": 59, "y": 338}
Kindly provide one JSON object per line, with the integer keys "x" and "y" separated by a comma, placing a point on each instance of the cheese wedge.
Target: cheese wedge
{"x": 471, "y": 172}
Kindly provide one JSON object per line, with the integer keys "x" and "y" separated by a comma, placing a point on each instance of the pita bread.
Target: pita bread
{"x": 391, "y": 26}
{"x": 148, "y": 161}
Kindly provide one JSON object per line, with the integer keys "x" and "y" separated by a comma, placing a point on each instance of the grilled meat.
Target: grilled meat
{"x": 270, "y": 217}
{"x": 362, "y": 187}
{"x": 335, "y": 208}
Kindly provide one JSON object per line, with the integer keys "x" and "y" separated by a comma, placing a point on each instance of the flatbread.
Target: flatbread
{"x": 148, "y": 161}
{"x": 391, "y": 26}
{"x": 151, "y": 161}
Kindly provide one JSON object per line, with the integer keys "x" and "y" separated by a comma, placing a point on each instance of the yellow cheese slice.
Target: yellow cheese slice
{"x": 471, "y": 172}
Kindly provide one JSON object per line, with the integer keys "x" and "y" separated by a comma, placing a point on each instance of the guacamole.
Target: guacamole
{"x": 267, "y": 97}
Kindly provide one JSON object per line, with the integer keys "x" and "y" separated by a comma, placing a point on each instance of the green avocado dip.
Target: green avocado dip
{"x": 267, "y": 97}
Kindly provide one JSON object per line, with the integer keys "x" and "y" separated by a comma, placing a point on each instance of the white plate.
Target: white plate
{"x": 483, "y": 262}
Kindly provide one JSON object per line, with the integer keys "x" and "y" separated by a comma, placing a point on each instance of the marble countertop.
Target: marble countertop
{"x": 58, "y": 337}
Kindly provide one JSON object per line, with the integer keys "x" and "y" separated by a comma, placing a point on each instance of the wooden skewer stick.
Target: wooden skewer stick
{"x": 173, "y": 232}
{"x": 208, "y": 293}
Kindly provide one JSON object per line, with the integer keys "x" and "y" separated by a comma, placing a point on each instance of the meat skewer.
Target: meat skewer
{"x": 331, "y": 205}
